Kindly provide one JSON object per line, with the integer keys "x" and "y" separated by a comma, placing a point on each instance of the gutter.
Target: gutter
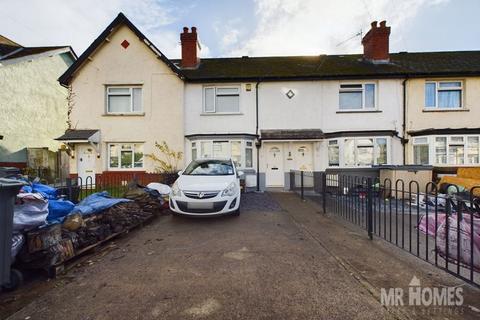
{"x": 404, "y": 124}
{"x": 258, "y": 143}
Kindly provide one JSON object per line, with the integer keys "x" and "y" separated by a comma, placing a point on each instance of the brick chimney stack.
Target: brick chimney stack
{"x": 190, "y": 48}
{"x": 376, "y": 43}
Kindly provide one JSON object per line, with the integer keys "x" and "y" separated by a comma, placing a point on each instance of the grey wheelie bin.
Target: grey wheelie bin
{"x": 9, "y": 279}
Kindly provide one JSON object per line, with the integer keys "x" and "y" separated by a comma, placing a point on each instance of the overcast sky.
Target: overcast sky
{"x": 249, "y": 27}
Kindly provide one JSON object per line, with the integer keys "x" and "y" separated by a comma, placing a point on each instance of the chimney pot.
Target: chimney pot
{"x": 376, "y": 43}
{"x": 194, "y": 29}
{"x": 185, "y": 29}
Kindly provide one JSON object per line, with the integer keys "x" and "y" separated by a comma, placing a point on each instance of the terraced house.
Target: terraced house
{"x": 270, "y": 114}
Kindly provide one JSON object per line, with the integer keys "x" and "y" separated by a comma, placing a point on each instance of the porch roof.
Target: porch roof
{"x": 75, "y": 135}
{"x": 292, "y": 134}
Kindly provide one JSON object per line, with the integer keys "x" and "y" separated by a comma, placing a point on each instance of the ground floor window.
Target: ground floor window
{"x": 125, "y": 155}
{"x": 333, "y": 155}
{"x": 447, "y": 150}
{"x": 358, "y": 151}
{"x": 420, "y": 151}
{"x": 240, "y": 151}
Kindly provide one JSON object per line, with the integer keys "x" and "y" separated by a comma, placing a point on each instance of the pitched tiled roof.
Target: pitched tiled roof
{"x": 7, "y": 46}
{"x": 417, "y": 64}
{"x": 335, "y": 66}
{"x": 121, "y": 19}
{"x": 12, "y": 50}
{"x": 74, "y": 134}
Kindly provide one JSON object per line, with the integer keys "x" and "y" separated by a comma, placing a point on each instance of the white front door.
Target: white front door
{"x": 86, "y": 164}
{"x": 274, "y": 175}
{"x": 303, "y": 156}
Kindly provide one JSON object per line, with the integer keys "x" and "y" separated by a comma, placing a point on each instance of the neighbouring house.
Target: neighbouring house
{"x": 443, "y": 110}
{"x": 270, "y": 114}
{"x": 33, "y": 104}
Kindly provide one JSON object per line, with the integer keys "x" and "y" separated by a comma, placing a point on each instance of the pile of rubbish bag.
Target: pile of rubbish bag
{"x": 49, "y": 229}
{"x": 455, "y": 226}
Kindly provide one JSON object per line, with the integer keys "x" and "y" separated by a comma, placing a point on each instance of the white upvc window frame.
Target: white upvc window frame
{"x": 417, "y": 141}
{"x": 198, "y": 145}
{"x": 362, "y": 90}
{"x": 432, "y": 151}
{"x": 131, "y": 88}
{"x": 376, "y": 150}
{"x": 119, "y": 144}
{"x": 438, "y": 88}
{"x": 333, "y": 144}
{"x": 216, "y": 94}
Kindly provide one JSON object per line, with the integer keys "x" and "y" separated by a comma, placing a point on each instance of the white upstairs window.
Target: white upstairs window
{"x": 359, "y": 96}
{"x": 122, "y": 99}
{"x": 443, "y": 94}
{"x": 221, "y": 100}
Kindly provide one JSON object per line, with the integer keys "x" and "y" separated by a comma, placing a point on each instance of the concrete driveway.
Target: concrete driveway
{"x": 273, "y": 262}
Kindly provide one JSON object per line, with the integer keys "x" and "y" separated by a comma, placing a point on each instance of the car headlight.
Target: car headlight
{"x": 231, "y": 190}
{"x": 176, "y": 192}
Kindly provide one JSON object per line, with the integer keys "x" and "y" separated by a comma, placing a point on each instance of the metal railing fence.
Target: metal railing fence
{"x": 438, "y": 224}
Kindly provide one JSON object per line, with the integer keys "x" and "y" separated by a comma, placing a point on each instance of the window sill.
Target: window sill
{"x": 221, "y": 114}
{"x": 359, "y": 111}
{"x": 132, "y": 114}
{"x": 446, "y": 110}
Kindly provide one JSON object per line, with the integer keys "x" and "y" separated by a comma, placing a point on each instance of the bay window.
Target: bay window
{"x": 443, "y": 94}
{"x": 350, "y": 152}
{"x": 357, "y": 96}
{"x": 240, "y": 151}
{"x": 221, "y": 99}
{"x": 447, "y": 150}
{"x": 125, "y": 155}
{"x": 122, "y": 99}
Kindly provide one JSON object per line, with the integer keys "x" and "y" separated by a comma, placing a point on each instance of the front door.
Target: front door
{"x": 86, "y": 164}
{"x": 274, "y": 175}
{"x": 303, "y": 157}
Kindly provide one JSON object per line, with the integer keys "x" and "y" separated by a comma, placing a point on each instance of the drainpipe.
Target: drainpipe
{"x": 258, "y": 143}
{"x": 404, "y": 124}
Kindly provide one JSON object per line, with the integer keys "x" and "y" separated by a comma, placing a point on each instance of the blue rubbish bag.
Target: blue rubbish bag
{"x": 47, "y": 191}
{"x": 26, "y": 189}
{"x": 96, "y": 203}
{"x": 58, "y": 210}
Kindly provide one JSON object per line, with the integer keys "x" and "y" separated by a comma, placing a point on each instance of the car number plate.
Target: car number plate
{"x": 200, "y": 205}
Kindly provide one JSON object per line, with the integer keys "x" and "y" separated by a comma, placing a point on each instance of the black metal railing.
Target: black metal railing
{"x": 76, "y": 189}
{"x": 438, "y": 224}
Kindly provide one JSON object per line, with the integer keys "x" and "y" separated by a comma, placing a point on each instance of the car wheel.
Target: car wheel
{"x": 16, "y": 280}
{"x": 236, "y": 213}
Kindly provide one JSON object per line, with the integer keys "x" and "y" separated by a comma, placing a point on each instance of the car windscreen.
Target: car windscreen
{"x": 209, "y": 168}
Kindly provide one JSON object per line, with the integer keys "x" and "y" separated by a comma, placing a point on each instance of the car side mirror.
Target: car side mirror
{"x": 240, "y": 173}
{"x": 180, "y": 172}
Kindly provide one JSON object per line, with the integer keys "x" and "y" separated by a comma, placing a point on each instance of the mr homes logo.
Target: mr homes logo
{"x": 416, "y": 295}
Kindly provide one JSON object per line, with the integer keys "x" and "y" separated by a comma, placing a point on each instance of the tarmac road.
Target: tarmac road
{"x": 269, "y": 263}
